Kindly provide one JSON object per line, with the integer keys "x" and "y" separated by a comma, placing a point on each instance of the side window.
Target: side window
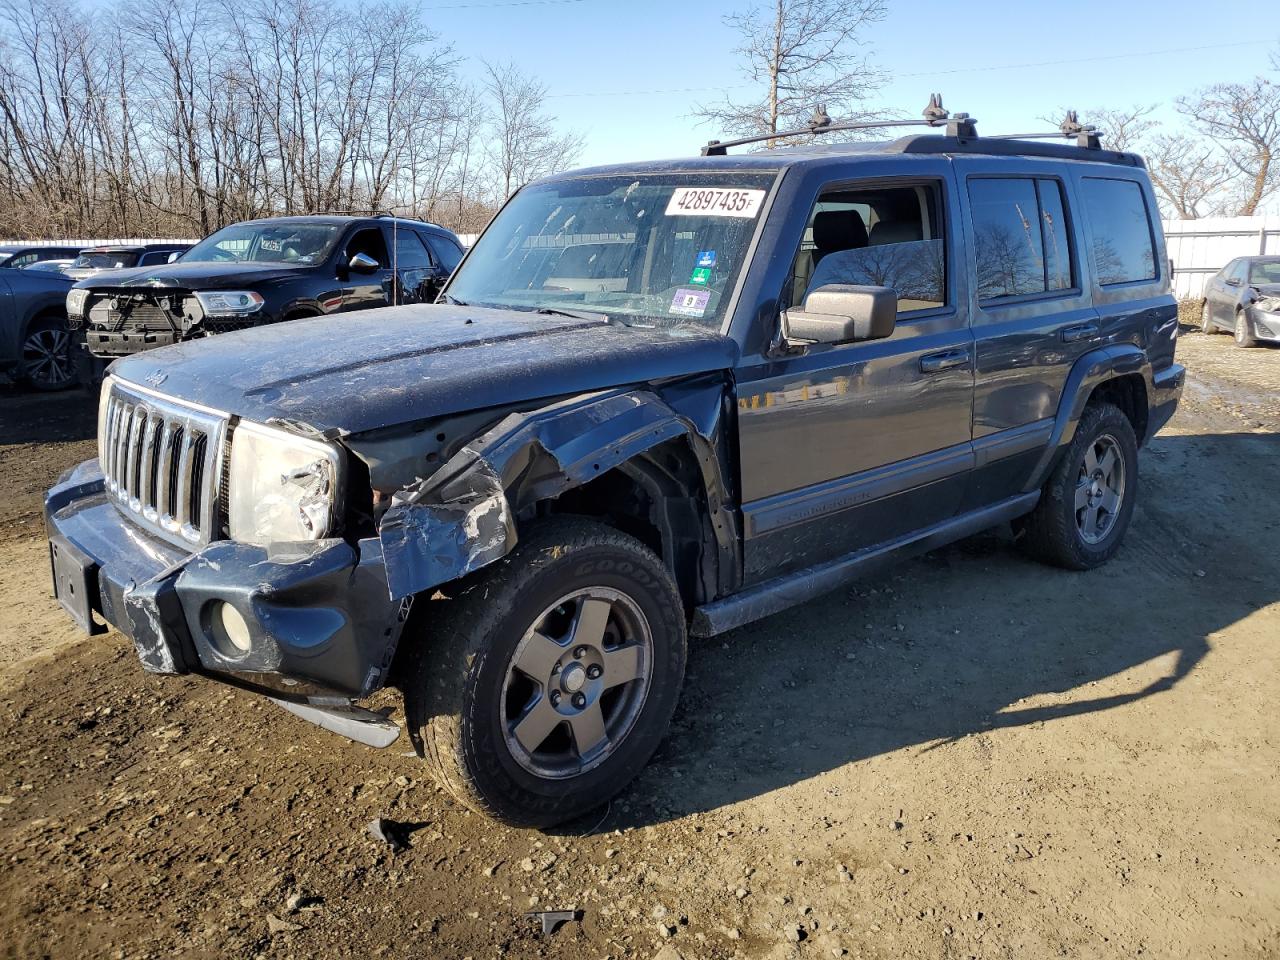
{"x": 1020, "y": 240}
{"x": 1122, "y": 248}
{"x": 1240, "y": 270}
{"x": 447, "y": 252}
{"x": 370, "y": 241}
{"x": 410, "y": 253}
{"x": 25, "y": 259}
{"x": 881, "y": 236}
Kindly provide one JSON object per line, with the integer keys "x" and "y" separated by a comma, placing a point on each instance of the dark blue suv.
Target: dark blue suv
{"x": 655, "y": 400}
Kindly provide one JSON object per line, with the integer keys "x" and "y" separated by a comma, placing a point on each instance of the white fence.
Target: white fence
{"x": 1200, "y": 248}
{"x": 118, "y": 241}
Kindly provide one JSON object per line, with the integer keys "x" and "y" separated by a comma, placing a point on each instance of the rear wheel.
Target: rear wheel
{"x": 1244, "y": 334}
{"x": 1087, "y": 502}
{"x": 47, "y": 363}
{"x": 551, "y": 677}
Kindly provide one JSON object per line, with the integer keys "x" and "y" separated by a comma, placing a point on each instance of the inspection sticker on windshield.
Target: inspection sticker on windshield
{"x": 690, "y": 303}
{"x": 714, "y": 202}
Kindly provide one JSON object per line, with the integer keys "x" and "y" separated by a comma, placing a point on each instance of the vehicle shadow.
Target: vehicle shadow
{"x": 27, "y": 416}
{"x": 951, "y": 644}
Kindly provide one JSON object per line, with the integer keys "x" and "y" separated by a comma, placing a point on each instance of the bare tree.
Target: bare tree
{"x": 525, "y": 144}
{"x": 1189, "y": 175}
{"x": 798, "y": 54}
{"x": 1244, "y": 119}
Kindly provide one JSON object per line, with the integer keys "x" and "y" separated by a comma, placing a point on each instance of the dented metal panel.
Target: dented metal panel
{"x": 462, "y": 517}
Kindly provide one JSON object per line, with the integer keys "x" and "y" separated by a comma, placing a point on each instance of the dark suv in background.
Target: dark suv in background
{"x": 260, "y": 272}
{"x": 656, "y": 399}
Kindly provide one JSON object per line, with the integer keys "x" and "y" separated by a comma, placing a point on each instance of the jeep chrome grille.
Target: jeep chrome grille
{"x": 162, "y": 461}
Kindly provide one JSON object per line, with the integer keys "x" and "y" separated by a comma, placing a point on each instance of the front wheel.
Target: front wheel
{"x": 1206, "y": 320}
{"x": 551, "y": 676}
{"x": 1244, "y": 335}
{"x": 1087, "y": 502}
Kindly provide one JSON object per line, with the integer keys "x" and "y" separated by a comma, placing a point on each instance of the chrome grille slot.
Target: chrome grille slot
{"x": 162, "y": 461}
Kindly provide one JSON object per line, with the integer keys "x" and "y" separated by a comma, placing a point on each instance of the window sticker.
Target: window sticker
{"x": 714, "y": 202}
{"x": 690, "y": 303}
{"x": 702, "y": 272}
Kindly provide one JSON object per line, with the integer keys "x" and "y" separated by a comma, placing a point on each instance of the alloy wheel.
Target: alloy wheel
{"x": 46, "y": 358}
{"x": 577, "y": 683}
{"x": 1099, "y": 489}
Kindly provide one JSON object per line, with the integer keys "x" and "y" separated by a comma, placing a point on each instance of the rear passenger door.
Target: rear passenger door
{"x": 1033, "y": 315}
{"x": 413, "y": 267}
{"x": 843, "y": 447}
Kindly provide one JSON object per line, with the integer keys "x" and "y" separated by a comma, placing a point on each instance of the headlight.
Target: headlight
{"x": 281, "y": 487}
{"x": 229, "y": 303}
{"x": 75, "y": 302}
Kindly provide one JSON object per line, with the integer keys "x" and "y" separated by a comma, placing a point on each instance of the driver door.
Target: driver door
{"x": 846, "y": 446}
{"x": 360, "y": 291}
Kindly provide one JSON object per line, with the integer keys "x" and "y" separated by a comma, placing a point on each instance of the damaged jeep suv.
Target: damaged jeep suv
{"x": 655, "y": 400}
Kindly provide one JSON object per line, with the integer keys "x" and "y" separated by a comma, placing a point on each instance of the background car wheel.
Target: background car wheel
{"x": 1244, "y": 334}
{"x": 550, "y": 677}
{"x": 47, "y": 362}
{"x": 1087, "y": 502}
{"x": 1206, "y": 324}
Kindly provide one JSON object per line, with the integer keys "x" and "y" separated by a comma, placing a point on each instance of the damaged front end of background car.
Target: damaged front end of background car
{"x": 315, "y": 625}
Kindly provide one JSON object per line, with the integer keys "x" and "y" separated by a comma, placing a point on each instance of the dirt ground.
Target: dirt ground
{"x": 972, "y": 756}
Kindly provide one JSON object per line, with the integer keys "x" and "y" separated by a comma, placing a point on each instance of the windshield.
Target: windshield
{"x": 300, "y": 243}
{"x": 1266, "y": 272}
{"x": 107, "y": 261}
{"x": 646, "y": 250}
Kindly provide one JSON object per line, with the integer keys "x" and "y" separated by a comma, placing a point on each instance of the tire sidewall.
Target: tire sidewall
{"x": 483, "y": 743}
{"x": 1241, "y": 331}
{"x": 1112, "y": 421}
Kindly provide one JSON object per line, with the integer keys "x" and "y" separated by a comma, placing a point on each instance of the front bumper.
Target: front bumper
{"x": 320, "y": 621}
{"x": 1266, "y": 325}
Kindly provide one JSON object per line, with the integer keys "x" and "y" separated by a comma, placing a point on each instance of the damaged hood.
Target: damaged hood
{"x": 194, "y": 276}
{"x": 357, "y": 371}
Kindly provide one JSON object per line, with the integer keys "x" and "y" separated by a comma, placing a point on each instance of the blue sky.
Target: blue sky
{"x": 600, "y": 59}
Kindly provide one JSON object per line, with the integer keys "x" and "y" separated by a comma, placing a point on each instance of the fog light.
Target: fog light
{"x": 228, "y": 630}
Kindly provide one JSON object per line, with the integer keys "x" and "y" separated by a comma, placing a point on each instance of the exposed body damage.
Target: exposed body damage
{"x": 463, "y": 516}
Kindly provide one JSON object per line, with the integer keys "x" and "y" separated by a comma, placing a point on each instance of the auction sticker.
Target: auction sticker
{"x": 714, "y": 202}
{"x": 690, "y": 303}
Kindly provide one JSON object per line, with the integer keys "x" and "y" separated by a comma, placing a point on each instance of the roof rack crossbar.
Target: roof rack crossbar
{"x": 1087, "y": 136}
{"x": 935, "y": 115}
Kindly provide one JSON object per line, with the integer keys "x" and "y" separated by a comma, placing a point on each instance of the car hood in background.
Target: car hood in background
{"x": 201, "y": 276}
{"x": 357, "y": 371}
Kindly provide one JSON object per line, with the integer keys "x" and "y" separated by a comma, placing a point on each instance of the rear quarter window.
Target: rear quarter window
{"x": 1120, "y": 224}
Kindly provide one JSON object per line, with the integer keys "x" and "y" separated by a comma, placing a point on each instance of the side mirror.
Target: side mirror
{"x": 842, "y": 313}
{"x": 174, "y": 256}
{"x": 1232, "y": 281}
{"x": 363, "y": 263}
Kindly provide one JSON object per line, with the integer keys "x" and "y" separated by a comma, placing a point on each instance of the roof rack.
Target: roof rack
{"x": 1088, "y": 137}
{"x": 960, "y": 126}
{"x": 935, "y": 115}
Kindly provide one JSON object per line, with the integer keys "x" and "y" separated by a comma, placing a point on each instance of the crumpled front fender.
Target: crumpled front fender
{"x": 462, "y": 517}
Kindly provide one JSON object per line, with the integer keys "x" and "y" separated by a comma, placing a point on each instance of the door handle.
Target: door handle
{"x": 1081, "y": 331}
{"x": 934, "y": 362}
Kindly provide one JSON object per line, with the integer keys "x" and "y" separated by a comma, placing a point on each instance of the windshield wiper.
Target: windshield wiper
{"x": 453, "y": 300}
{"x": 575, "y": 314}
